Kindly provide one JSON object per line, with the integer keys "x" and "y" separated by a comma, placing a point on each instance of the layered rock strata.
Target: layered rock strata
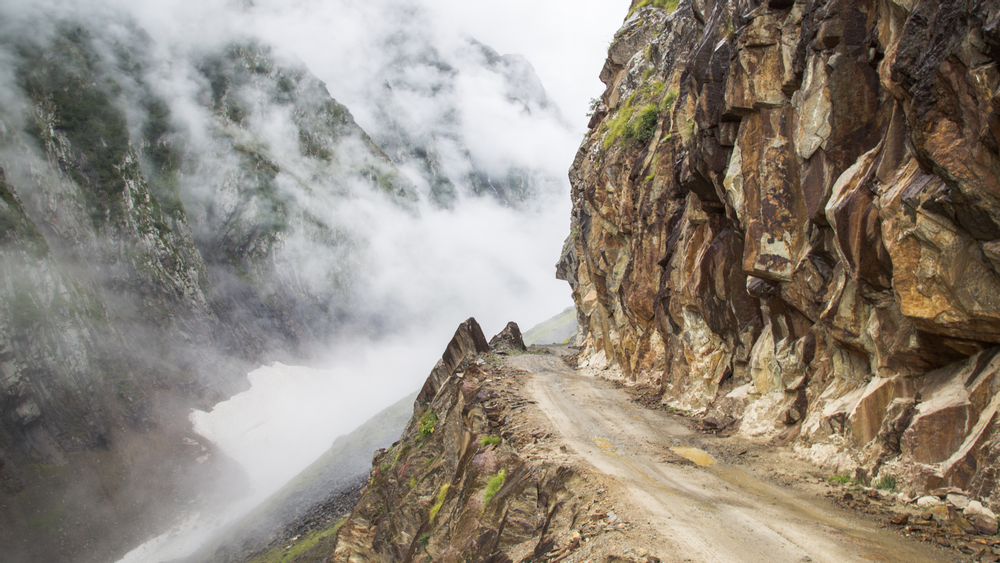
{"x": 787, "y": 214}
{"x": 456, "y": 487}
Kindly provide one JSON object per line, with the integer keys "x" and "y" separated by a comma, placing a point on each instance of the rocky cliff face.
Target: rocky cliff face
{"x": 787, "y": 216}
{"x": 143, "y": 270}
{"x": 107, "y": 250}
{"x": 458, "y": 485}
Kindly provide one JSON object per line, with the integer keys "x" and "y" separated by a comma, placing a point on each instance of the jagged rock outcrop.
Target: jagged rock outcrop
{"x": 508, "y": 340}
{"x": 788, "y": 212}
{"x": 454, "y": 488}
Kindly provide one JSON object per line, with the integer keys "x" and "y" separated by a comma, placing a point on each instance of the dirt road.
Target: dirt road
{"x": 714, "y": 513}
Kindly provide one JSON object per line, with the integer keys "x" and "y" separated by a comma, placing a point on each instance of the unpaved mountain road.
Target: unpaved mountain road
{"x": 719, "y": 513}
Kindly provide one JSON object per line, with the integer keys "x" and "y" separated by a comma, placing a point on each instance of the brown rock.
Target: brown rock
{"x": 466, "y": 344}
{"x": 508, "y": 340}
{"x": 983, "y": 524}
{"x": 951, "y": 426}
{"x": 827, "y": 173}
{"x": 774, "y": 213}
{"x": 870, "y": 412}
{"x": 943, "y": 492}
{"x": 939, "y": 274}
{"x": 858, "y": 227}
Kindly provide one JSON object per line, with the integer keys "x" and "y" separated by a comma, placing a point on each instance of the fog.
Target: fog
{"x": 418, "y": 265}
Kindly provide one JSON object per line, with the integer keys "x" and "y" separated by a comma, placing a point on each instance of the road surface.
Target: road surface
{"x": 716, "y": 513}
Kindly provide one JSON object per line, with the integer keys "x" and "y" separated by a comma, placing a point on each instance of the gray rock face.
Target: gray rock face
{"x": 784, "y": 212}
{"x": 144, "y": 269}
{"x": 108, "y": 247}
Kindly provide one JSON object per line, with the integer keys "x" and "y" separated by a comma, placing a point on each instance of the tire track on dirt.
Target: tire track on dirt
{"x": 718, "y": 513}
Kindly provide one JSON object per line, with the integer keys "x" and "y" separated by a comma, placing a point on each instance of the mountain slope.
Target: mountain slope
{"x": 145, "y": 270}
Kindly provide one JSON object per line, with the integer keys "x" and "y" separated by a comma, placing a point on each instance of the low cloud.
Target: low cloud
{"x": 407, "y": 272}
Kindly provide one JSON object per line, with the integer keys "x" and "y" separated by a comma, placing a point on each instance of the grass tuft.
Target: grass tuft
{"x": 842, "y": 478}
{"x": 668, "y": 5}
{"x": 494, "y": 485}
{"x": 441, "y": 496}
{"x": 886, "y": 483}
{"x": 288, "y": 553}
{"x": 490, "y": 440}
{"x": 428, "y": 422}
{"x": 637, "y": 117}
{"x": 644, "y": 127}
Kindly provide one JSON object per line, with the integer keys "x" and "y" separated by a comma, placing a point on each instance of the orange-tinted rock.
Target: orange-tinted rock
{"x": 870, "y": 411}
{"x": 942, "y": 280}
{"x": 820, "y": 171}
{"x": 953, "y": 422}
{"x": 774, "y": 214}
{"x": 858, "y": 226}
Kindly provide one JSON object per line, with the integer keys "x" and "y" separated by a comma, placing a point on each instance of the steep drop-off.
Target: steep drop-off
{"x": 172, "y": 216}
{"x": 143, "y": 272}
{"x": 786, "y": 215}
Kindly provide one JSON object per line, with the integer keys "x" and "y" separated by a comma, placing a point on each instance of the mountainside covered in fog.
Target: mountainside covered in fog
{"x": 173, "y": 217}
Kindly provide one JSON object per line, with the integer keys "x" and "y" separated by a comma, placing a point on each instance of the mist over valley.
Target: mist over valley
{"x": 197, "y": 191}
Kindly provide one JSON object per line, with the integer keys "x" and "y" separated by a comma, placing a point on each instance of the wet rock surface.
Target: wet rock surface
{"x": 785, "y": 221}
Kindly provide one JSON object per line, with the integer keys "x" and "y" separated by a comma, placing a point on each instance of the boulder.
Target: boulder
{"x": 958, "y": 501}
{"x": 983, "y": 524}
{"x": 976, "y": 508}
{"x": 508, "y": 340}
{"x": 928, "y": 501}
{"x": 982, "y": 518}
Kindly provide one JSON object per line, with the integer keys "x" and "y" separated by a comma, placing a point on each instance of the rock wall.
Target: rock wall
{"x": 130, "y": 266}
{"x": 786, "y": 214}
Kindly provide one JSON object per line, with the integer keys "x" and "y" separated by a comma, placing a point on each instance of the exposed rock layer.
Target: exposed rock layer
{"x": 789, "y": 213}
{"x": 455, "y": 487}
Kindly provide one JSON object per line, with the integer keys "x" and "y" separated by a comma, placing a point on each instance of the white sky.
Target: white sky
{"x": 565, "y": 40}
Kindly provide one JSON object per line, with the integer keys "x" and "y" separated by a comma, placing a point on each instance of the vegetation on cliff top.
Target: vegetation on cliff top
{"x": 668, "y": 5}
{"x": 637, "y": 117}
